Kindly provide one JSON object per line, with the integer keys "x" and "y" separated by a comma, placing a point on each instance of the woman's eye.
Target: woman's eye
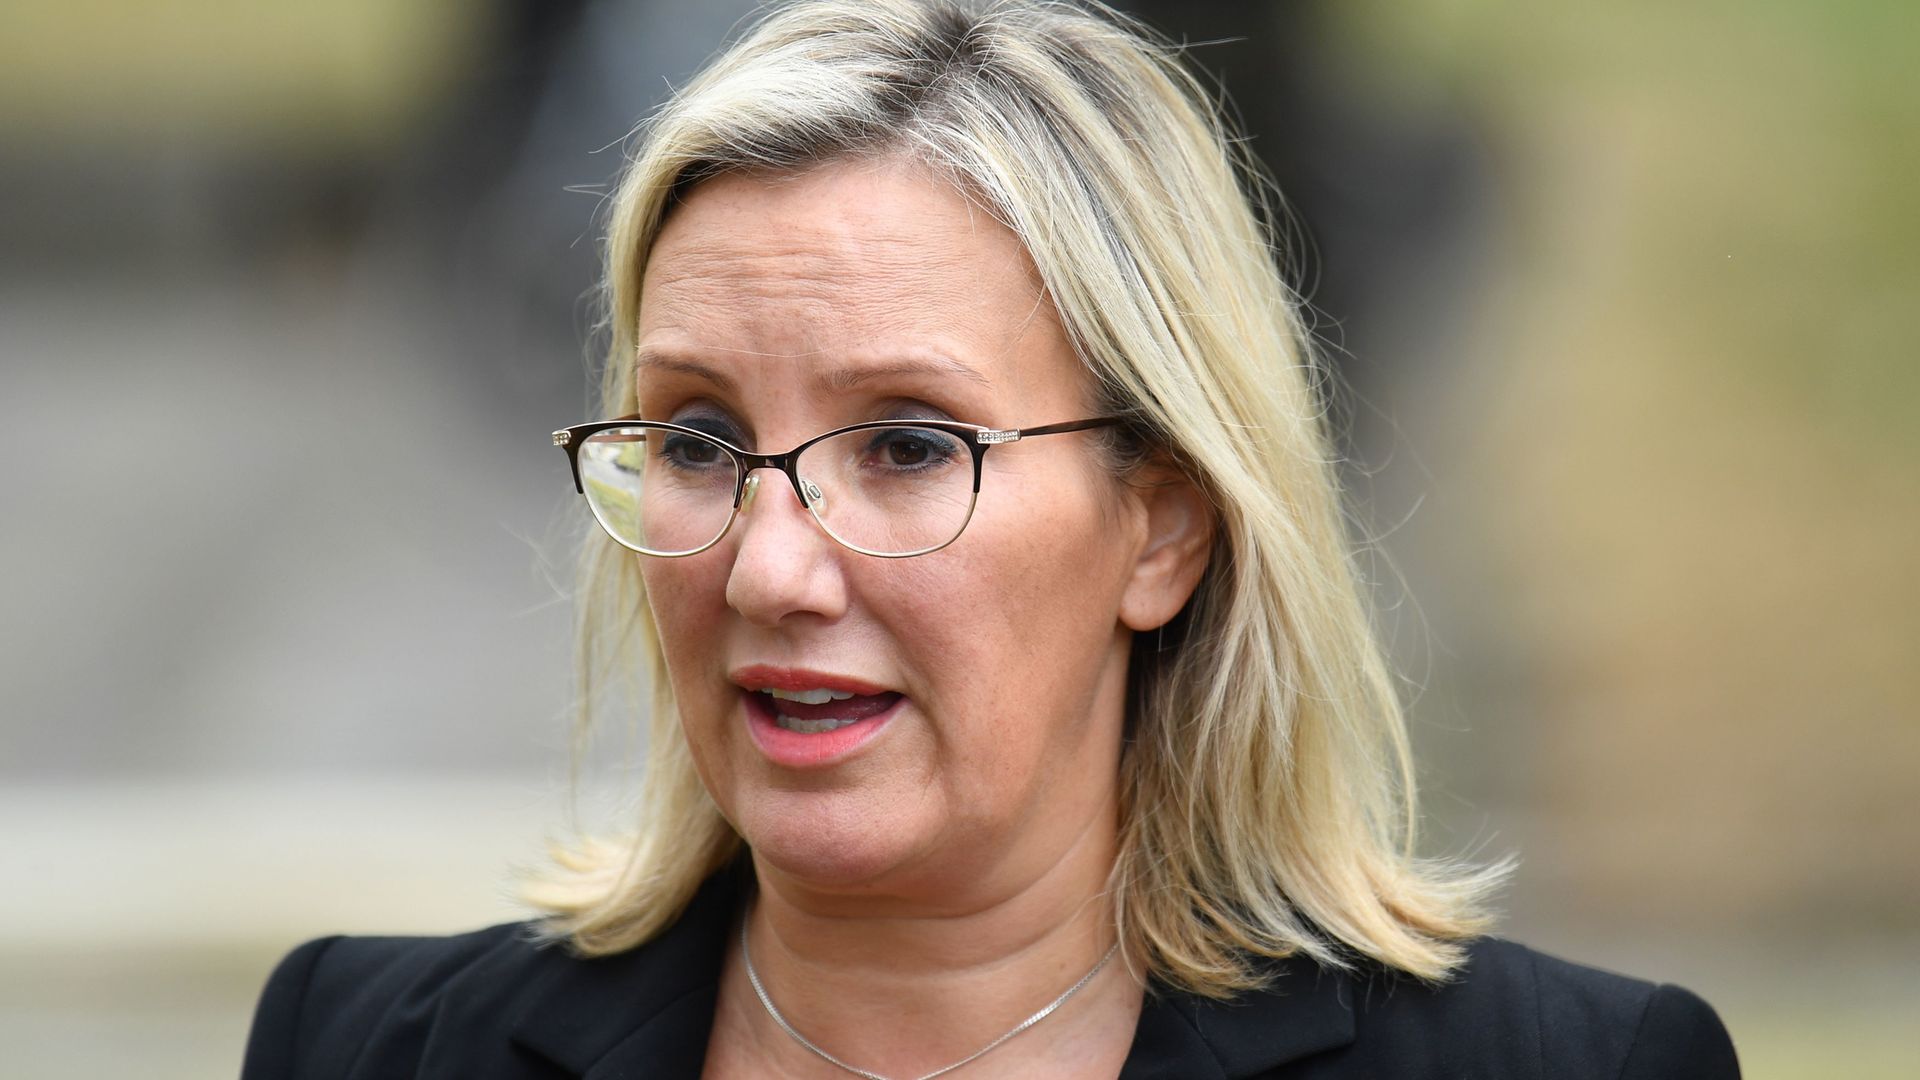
{"x": 689, "y": 450}
{"x": 913, "y": 449}
{"x": 906, "y": 452}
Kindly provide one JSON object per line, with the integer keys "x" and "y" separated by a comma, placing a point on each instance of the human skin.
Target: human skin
{"x": 944, "y": 873}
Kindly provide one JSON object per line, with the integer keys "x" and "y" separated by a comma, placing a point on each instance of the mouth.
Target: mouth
{"x": 816, "y": 711}
{"x": 804, "y": 719}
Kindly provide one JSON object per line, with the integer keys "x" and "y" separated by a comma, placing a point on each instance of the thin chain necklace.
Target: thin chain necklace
{"x": 760, "y": 991}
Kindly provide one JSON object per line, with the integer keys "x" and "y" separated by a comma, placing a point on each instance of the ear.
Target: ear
{"x": 1180, "y": 524}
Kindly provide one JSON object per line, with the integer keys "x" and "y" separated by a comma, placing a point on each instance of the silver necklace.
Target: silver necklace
{"x": 760, "y": 991}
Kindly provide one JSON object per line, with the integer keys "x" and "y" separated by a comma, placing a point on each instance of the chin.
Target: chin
{"x": 833, "y": 848}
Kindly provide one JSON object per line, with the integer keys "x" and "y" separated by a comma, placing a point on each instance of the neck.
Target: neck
{"x": 904, "y": 984}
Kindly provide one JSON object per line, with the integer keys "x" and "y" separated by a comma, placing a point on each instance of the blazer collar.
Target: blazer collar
{"x": 649, "y": 1011}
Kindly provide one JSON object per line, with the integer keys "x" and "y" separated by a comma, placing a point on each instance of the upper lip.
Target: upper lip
{"x": 774, "y": 677}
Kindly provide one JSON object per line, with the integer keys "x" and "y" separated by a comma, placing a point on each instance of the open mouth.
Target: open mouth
{"x": 806, "y": 719}
{"x": 817, "y": 711}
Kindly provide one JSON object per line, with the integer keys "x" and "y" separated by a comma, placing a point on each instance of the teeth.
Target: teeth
{"x": 807, "y": 697}
{"x": 810, "y": 727}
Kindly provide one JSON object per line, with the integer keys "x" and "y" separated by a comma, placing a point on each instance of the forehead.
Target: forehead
{"x": 852, "y": 260}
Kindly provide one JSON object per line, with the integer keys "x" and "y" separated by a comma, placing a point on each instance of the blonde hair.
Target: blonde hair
{"x": 1267, "y": 787}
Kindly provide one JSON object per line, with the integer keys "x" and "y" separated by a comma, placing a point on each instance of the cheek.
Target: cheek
{"x": 1009, "y": 635}
{"x": 684, "y": 597}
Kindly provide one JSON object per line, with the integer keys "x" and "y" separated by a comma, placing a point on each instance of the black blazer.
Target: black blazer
{"x": 491, "y": 1006}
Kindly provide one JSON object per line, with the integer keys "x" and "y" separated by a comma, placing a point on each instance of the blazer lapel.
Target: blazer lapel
{"x": 646, "y": 1012}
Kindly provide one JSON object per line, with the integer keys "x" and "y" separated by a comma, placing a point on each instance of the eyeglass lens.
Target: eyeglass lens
{"x": 894, "y": 490}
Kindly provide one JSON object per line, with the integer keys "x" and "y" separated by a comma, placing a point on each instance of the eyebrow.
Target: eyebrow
{"x": 653, "y": 361}
{"x": 837, "y": 380}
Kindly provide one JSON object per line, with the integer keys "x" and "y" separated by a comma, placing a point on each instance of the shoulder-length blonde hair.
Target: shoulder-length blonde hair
{"x": 1267, "y": 789}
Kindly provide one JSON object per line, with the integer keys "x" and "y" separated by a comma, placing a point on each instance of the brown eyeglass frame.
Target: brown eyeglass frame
{"x": 978, "y": 440}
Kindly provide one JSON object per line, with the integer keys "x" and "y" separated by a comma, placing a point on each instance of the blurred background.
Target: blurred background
{"x": 291, "y": 294}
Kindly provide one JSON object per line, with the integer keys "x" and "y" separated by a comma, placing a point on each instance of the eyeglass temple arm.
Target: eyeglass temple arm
{"x": 1016, "y": 434}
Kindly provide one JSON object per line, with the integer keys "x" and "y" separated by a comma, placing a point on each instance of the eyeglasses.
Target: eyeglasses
{"x": 889, "y": 488}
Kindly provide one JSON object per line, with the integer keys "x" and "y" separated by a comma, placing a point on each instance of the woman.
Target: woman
{"x": 1017, "y": 713}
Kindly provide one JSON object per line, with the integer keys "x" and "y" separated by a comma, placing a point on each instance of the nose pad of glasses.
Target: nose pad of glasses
{"x": 746, "y": 495}
{"x": 815, "y": 497}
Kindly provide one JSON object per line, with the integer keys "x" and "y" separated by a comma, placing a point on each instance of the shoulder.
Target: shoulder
{"x": 495, "y": 1004}
{"x": 1543, "y": 1016}
{"x": 336, "y": 1002}
{"x": 1510, "y": 1013}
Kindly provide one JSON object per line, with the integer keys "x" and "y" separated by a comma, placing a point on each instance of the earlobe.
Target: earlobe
{"x": 1173, "y": 556}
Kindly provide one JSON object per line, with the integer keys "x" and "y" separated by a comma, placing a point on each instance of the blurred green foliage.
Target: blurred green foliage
{"x": 1765, "y": 156}
{"x": 342, "y": 71}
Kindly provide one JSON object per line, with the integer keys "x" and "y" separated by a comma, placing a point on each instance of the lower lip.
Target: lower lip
{"x": 798, "y": 750}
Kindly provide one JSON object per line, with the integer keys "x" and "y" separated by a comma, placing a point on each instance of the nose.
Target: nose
{"x": 784, "y": 566}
